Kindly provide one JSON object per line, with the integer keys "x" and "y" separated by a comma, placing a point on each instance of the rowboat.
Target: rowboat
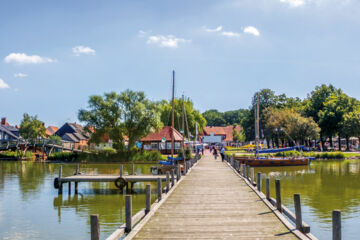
{"x": 273, "y": 162}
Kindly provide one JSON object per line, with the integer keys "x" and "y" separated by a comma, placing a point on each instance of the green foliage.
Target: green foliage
{"x": 180, "y": 153}
{"x": 108, "y": 150}
{"x": 188, "y": 154}
{"x": 54, "y": 139}
{"x": 238, "y": 137}
{"x": 31, "y": 128}
{"x": 216, "y": 118}
{"x": 11, "y": 155}
{"x": 64, "y": 156}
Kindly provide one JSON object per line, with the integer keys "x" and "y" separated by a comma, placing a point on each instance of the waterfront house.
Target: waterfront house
{"x": 161, "y": 140}
{"x": 51, "y": 130}
{"x": 73, "y": 135}
{"x": 8, "y": 133}
{"x": 219, "y": 135}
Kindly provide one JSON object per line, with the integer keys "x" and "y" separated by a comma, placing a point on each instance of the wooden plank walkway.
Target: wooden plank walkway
{"x": 212, "y": 203}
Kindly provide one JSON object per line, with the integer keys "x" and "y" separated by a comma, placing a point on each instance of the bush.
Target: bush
{"x": 188, "y": 154}
{"x": 64, "y": 156}
{"x": 11, "y": 155}
{"x": 180, "y": 153}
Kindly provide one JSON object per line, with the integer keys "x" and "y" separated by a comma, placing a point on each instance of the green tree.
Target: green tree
{"x": 214, "y": 118}
{"x": 238, "y": 137}
{"x": 350, "y": 126}
{"x": 53, "y": 139}
{"x": 128, "y": 114}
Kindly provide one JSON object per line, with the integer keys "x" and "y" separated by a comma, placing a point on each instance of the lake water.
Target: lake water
{"x": 30, "y": 207}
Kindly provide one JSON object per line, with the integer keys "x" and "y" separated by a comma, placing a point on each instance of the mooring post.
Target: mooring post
{"x": 167, "y": 181}
{"x": 336, "y": 224}
{"x": 243, "y": 169}
{"x": 128, "y": 213}
{"x": 77, "y": 169}
{"x": 278, "y": 195}
{"x": 121, "y": 170}
{"x": 267, "y": 188}
{"x": 178, "y": 174}
{"x": 59, "y": 179}
{"x": 258, "y": 181}
{"x": 76, "y": 187}
{"x": 298, "y": 219}
{"x": 159, "y": 190}
{"x": 186, "y": 167}
{"x": 172, "y": 177}
{"x": 252, "y": 175}
{"x": 133, "y": 169}
{"x": 95, "y": 227}
{"x": 247, "y": 172}
{"x": 148, "y": 198}
{"x": 69, "y": 188}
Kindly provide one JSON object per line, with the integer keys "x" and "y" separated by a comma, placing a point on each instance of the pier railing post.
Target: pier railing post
{"x": 148, "y": 198}
{"x": 94, "y": 227}
{"x": 298, "y": 219}
{"x": 128, "y": 213}
{"x": 59, "y": 179}
{"x": 336, "y": 225}
{"x": 258, "y": 181}
{"x": 121, "y": 170}
{"x": 77, "y": 169}
{"x": 278, "y": 195}
{"x": 247, "y": 172}
{"x": 243, "y": 169}
{"x": 133, "y": 169}
{"x": 252, "y": 175}
{"x": 167, "y": 181}
{"x": 159, "y": 190}
{"x": 178, "y": 174}
{"x": 172, "y": 177}
{"x": 267, "y": 188}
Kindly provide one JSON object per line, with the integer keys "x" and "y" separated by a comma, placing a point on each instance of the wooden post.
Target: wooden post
{"x": 258, "y": 181}
{"x": 148, "y": 198}
{"x": 77, "y": 169}
{"x": 267, "y": 188}
{"x": 178, "y": 174}
{"x": 244, "y": 169}
{"x": 76, "y": 187}
{"x": 172, "y": 177}
{"x": 278, "y": 195}
{"x": 59, "y": 179}
{"x": 69, "y": 188}
{"x": 167, "y": 181}
{"x": 128, "y": 213}
{"x": 336, "y": 224}
{"x": 121, "y": 170}
{"x": 133, "y": 169}
{"x": 95, "y": 227}
{"x": 247, "y": 172}
{"x": 186, "y": 167}
{"x": 252, "y": 175}
{"x": 159, "y": 190}
{"x": 298, "y": 219}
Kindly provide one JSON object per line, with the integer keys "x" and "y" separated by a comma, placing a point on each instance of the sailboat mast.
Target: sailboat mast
{"x": 173, "y": 117}
{"x": 183, "y": 124}
{"x": 257, "y": 125}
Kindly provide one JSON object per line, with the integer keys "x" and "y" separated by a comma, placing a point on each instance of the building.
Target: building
{"x": 219, "y": 135}
{"x": 161, "y": 140}
{"x": 8, "y": 133}
{"x": 51, "y": 130}
{"x": 73, "y": 135}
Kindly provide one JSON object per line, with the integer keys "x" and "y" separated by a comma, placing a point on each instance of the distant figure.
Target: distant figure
{"x": 222, "y": 153}
{"x": 215, "y": 153}
{"x": 202, "y": 151}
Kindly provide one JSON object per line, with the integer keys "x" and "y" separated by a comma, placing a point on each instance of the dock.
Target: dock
{"x": 213, "y": 202}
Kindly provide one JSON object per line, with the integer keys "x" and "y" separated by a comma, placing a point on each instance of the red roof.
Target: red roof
{"x": 222, "y": 131}
{"x": 164, "y": 132}
{"x": 50, "y": 130}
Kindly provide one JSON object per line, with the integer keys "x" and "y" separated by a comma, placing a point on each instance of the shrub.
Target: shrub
{"x": 64, "y": 156}
{"x": 188, "y": 154}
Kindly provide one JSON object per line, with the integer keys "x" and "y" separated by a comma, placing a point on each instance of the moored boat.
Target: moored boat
{"x": 273, "y": 162}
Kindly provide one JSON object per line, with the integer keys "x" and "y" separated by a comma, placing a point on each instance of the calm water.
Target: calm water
{"x": 324, "y": 186}
{"x": 30, "y": 207}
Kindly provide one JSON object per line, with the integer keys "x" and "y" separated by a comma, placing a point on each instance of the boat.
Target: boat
{"x": 268, "y": 161}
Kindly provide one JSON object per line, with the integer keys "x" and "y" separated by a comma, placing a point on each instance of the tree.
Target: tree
{"x": 128, "y": 114}
{"x": 214, "y": 118}
{"x": 350, "y": 126}
{"x": 238, "y": 137}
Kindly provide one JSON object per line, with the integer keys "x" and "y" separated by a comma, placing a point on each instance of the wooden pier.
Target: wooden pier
{"x": 213, "y": 202}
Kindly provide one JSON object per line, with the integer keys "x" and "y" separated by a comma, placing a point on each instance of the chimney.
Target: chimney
{"x": 3, "y": 121}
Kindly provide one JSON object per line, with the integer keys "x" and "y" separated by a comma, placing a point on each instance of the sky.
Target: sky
{"x": 55, "y": 54}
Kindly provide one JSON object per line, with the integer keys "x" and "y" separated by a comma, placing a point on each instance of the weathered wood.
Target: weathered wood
{"x": 244, "y": 170}
{"x": 159, "y": 190}
{"x": 252, "y": 175}
{"x": 258, "y": 181}
{"x": 76, "y": 187}
{"x": 60, "y": 180}
{"x": 278, "y": 195}
{"x": 178, "y": 173}
{"x": 167, "y": 181}
{"x": 133, "y": 169}
{"x": 128, "y": 213}
{"x": 148, "y": 198}
{"x": 172, "y": 177}
{"x": 247, "y": 172}
{"x": 267, "y": 188}
{"x": 112, "y": 178}
{"x": 69, "y": 188}
{"x": 297, "y": 204}
{"x": 336, "y": 225}
{"x": 94, "y": 227}
{"x": 121, "y": 170}
{"x": 77, "y": 169}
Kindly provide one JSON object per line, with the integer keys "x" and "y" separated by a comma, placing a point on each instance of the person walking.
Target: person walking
{"x": 215, "y": 153}
{"x": 222, "y": 153}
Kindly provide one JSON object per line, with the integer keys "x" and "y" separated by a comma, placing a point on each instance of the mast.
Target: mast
{"x": 172, "y": 117}
{"x": 183, "y": 124}
{"x": 257, "y": 125}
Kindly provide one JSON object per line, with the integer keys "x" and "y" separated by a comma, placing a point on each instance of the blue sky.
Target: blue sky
{"x": 55, "y": 54}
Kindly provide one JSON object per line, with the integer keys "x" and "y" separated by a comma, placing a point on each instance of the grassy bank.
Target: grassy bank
{"x": 11, "y": 155}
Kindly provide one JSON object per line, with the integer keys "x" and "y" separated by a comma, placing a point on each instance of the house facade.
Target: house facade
{"x": 161, "y": 140}
{"x": 73, "y": 136}
{"x": 8, "y": 133}
{"x": 219, "y": 135}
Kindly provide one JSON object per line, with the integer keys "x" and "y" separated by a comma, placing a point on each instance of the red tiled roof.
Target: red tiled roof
{"x": 164, "y": 132}
{"x": 222, "y": 131}
{"x": 50, "y": 130}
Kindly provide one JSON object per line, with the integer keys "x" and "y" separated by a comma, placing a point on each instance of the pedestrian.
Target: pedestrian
{"x": 222, "y": 153}
{"x": 215, "y": 153}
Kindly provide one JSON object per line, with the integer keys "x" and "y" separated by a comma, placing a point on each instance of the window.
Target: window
{"x": 154, "y": 146}
{"x": 177, "y": 145}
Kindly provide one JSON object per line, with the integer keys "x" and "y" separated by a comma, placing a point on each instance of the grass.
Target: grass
{"x": 11, "y": 155}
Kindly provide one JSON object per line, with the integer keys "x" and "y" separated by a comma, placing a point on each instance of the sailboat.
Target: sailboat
{"x": 258, "y": 161}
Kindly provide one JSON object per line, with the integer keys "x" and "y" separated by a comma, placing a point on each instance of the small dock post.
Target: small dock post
{"x": 121, "y": 170}
{"x": 267, "y": 188}
{"x": 247, "y": 172}
{"x": 336, "y": 225}
{"x": 95, "y": 227}
{"x": 76, "y": 187}
{"x": 148, "y": 198}
{"x": 133, "y": 169}
{"x": 178, "y": 174}
{"x": 159, "y": 190}
{"x": 172, "y": 177}
{"x": 167, "y": 181}
{"x": 244, "y": 169}
{"x": 69, "y": 188}
{"x": 252, "y": 176}
{"x": 258, "y": 181}
{"x": 128, "y": 213}
{"x": 59, "y": 179}
{"x": 77, "y": 169}
{"x": 278, "y": 195}
{"x": 298, "y": 219}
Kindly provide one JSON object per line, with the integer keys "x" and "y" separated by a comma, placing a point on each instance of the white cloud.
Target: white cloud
{"x": 294, "y": 3}
{"x": 251, "y": 30}
{"x": 218, "y": 29}
{"x": 169, "y": 41}
{"x": 20, "y": 75}
{"x": 78, "y": 50}
{"x": 230, "y": 34}
{"x": 3, "y": 84}
{"x": 23, "y": 58}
